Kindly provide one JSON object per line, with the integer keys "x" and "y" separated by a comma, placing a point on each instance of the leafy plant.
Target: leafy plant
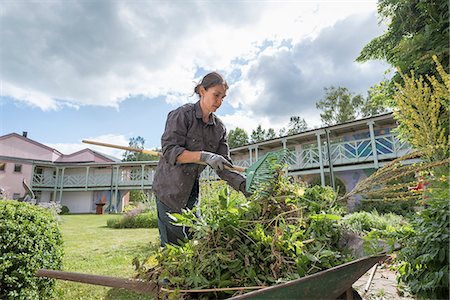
{"x": 365, "y": 222}
{"x": 64, "y": 210}
{"x": 422, "y": 109}
{"x": 399, "y": 207}
{"x": 30, "y": 239}
{"x": 424, "y": 268}
{"x": 139, "y": 220}
{"x": 380, "y": 232}
{"x": 283, "y": 232}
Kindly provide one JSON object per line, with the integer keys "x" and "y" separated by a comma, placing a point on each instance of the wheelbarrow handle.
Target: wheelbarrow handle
{"x": 151, "y": 152}
{"x": 115, "y": 282}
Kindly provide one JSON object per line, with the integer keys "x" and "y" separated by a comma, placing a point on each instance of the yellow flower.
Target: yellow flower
{"x": 300, "y": 192}
{"x": 152, "y": 261}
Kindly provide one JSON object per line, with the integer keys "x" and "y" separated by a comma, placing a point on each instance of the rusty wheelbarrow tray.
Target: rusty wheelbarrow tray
{"x": 328, "y": 284}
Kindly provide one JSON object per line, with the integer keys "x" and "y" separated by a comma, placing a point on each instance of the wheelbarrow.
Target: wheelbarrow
{"x": 333, "y": 283}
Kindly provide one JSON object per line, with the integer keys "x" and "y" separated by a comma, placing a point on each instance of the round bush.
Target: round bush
{"x": 30, "y": 239}
{"x": 64, "y": 210}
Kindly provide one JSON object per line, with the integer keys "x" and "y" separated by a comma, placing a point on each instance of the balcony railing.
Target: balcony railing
{"x": 342, "y": 153}
{"x": 125, "y": 178}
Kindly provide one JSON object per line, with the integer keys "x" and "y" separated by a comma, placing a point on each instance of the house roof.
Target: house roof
{"x": 84, "y": 155}
{"x": 4, "y": 137}
{"x": 94, "y": 154}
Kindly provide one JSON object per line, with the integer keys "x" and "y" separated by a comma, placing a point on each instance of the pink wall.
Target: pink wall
{"x": 19, "y": 150}
{"x": 18, "y": 147}
{"x": 15, "y": 145}
{"x": 11, "y": 181}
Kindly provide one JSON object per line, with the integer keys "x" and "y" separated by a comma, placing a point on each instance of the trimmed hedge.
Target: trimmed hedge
{"x": 30, "y": 239}
{"x": 142, "y": 220}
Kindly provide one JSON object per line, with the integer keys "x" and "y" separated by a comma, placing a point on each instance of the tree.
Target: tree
{"x": 258, "y": 135}
{"x": 138, "y": 143}
{"x": 422, "y": 109}
{"x": 270, "y": 134}
{"x": 339, "y": 106}
{"x": 417, "y": 30}
{"x": 237, "y": 138}
{"x": 379, "y": 100}
{"x": 296, "y": 125}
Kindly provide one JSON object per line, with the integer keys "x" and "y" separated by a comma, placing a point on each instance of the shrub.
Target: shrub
{"x": 64, "y": 210}
{"x": 400, "y": 207}
{"x": 30, "y": 239}
{"x": 424, "y": 269}
{"x": 141, "y": 220}
{"x": 339, "y": 184}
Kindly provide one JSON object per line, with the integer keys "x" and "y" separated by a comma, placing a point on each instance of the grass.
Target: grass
{"x": 91, "y": 247}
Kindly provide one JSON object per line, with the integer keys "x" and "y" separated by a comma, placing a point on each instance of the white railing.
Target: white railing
{"x": 345, "y": 152}
{"x": 342, "y": 153}
{"x": 126, "y": 177}
{"x": 44, "y": 180}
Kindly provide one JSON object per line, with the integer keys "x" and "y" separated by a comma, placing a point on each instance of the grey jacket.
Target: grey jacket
{"x": 174, "y": 183}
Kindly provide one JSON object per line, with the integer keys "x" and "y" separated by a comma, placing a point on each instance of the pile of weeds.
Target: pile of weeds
{"x": 283, "y": 232}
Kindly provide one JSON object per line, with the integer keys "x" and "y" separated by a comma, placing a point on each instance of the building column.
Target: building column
{"x": 116, "y": 189}
{"x": 256, "y": 153}
{"x": 55, "y": 189}
{"x": 33, "y": 168}
{"x": 250, "y": 155}
{"x": 142, "y": 176}
{"x": 61, "y": 185}
{"x": 374, "y": 145}
{"x": 283, "y": 141}
{"x": 87, "y": 178}
{"x": 330, "y": 159}
{"x": 319, "y": 146}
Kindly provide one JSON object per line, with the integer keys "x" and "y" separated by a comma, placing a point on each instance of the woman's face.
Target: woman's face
{"x": 212, "y": 98}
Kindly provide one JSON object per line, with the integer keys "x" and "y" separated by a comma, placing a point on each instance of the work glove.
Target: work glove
{"x": 215, "y": 161}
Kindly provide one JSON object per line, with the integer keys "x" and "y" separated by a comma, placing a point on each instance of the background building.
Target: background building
{"x": 347, "y": 152}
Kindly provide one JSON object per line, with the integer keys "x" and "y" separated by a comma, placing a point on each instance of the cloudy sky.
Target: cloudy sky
{"x": 112, "y": 70}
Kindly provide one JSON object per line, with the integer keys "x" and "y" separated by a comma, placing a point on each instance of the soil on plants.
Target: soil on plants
{"x": 383, "y": 286}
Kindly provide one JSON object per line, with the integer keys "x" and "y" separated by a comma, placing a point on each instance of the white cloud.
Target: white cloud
{"x": 277, "y": 56}
{"x": 281, "y": 81}
{"x": 99, "y": 53}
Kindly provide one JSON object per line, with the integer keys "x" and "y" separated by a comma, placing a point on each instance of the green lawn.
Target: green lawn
{"x": 91, "y": 247}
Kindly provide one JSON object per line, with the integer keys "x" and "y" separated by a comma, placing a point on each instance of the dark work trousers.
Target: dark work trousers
{"x": 169, "y": 233}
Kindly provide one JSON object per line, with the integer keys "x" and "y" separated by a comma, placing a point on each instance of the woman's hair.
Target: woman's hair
{"x": 211, "y": 79}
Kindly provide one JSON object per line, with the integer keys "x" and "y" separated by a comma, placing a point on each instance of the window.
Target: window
{"x": 2, "y": 166}
{"x": 17, "y": 168}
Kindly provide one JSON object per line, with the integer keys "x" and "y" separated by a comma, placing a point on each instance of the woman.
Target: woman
{"x": 193, "y": 134}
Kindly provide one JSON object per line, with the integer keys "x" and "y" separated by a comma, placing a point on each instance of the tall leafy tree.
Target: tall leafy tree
{"x": 270, "y": 134}
{"x": 417, "y": 30}
{"x": 296, "y": 125}
{"x": 138, "y": 143}
{"x": 237, "y": 138}
{"x": 339, "y": 105}
{"x": 379, "y": 100}
{"x": 258, "y": 135}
